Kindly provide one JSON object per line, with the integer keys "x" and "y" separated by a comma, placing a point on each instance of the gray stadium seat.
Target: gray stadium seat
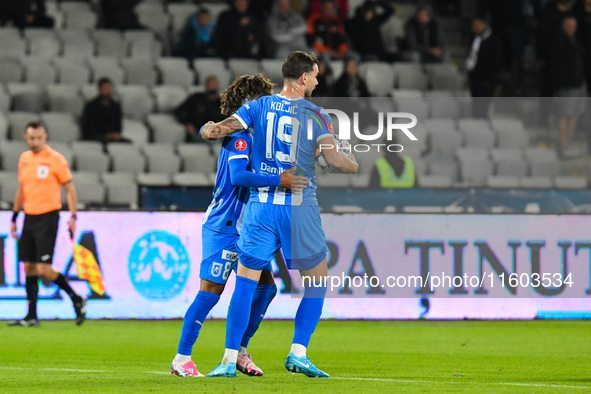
{"x": 11, "y": 70}
{"x": 133, "y": 162}
{"x": 545, "y": 168}
{"x": 439, "y": 164}
{"x": 204, "y": 163}
{"x": 40, "y": 71}
{"x": 499, "y": 124}
{"x": 82, "y": 147}
{"x": 140, "y": 72}
{"x": 89, "y": 92}
{"x": 5, "y": 100}
{"x": 61, "y": 126}
{"x": 8, "y": 185}
{"x": 434, "y": 181}
{"x": 444, "y": 76}
{"x": 76, "y": 43}
{"x": 518, "y": 168}
{"x": 503, "y": 182}
{"x": 4, "y": 128}
{"x": 476, "y": 172}
{"x": 18, "y": 121}
{"x": 26, "y": 97}
{"x": 439, "y": 124}
{"x": 410, "y": 76}
{"x": 136, "y": 131}
{"x": 116, "y": 149}
{"x": 472, "y": 153}
{"x": 191, "y": 179}
{"x": 106, "y": 67}
{"x": 43, "y": 43}
{"x": 80, "y": 19}
{"x": 110, "y": 43}
{"x": 570, "y": 182}
{"x": 53, "y": 11}
{"x": 92, "y": 161}
{"x": 537, "y": 182}
{"x": 379, "y": 78}
{"x": 74, "y": 6}
{"x": 473, "y": 124}
{"x": 136, "y": 101}
{"x": 479, "y": 138}
{"x": 121, "y": 188}
{"x": 175, "y": 71}
{"x": 445, "y": 141}
{"x": 215, "y": 67}
{"x": 153, "y": 16}
{"x": 72, "y": 71}
{"x": 443, "y": 105}
{"x": 513, "y": 138}
{"x": 272, "y": 70}
{"x": 407, "y": 100}
{"x": 154, "y": 179}
{"x": 193, "y": 149}
{"x": 88, "y": 176}
{"x": 65, "y": 98}
{"x": 89, "y": 191}
{"x": 11, "y": 43}
{"x": 64, "y": 149}
{"x": 240, "y": 67}
{"x": 158, "y": 147}
{"x": 165, "y": 128}
{"x": 168, "y": 97}
{"x": 506, "y": 154}
{"x": 180, "y": 14}
{"x": 142, "y": 44}
{"x": 10, "y": 152}
{"x": 540, "y": 155}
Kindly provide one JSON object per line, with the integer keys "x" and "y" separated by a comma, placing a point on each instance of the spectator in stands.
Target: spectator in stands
{"x": 341, "y": 8}
{"x": 120, "y": 14}
{"x": 350, "y": 83}
{"x": 583, "y": 14}
{"x": 102, "y": 117}
{"x": 364, "y": 29}
{"x": 326, "y": 32}
{"x": 423, "y": 38}
{"x": 239, "y": 33}
{"x": 197, "y": 37}
{"x": 325, "y": 80}
{"x": 24, "y": 13}
{"x": 287, "y": 29}
{"x": 199, "y": 108}
{"x": 565, "y": 68}
{"x": 483, "y": 65}
{"x": 393, "y": 171}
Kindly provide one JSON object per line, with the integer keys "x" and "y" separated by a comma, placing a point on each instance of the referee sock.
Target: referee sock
{"x": 238, "y": 315}
{"x": 194, "y": 319}
{"x": 63, "y": 284}
{"x": 32, "y": 287}
{"x": 263, "y": 296}
{"x": 308, "y": 313}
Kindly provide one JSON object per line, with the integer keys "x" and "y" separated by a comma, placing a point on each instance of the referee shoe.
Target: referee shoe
{"x": 26, "y": 322}
{"x": 80, "y": 308}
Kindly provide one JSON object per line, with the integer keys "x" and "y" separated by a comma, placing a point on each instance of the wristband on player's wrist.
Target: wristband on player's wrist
{"x": 74, "y": 217}
{"x": 14, "y": 216}
{"x": 201, "y": 135}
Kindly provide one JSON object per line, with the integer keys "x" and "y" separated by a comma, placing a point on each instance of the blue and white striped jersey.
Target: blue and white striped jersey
{"x": 282, "y": 139}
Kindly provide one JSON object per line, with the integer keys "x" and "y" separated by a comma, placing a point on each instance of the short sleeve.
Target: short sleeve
{"x": 326, "y": 130}
{"x": 239, "y": 147}
{"x": 62, "y": 170}
{"x": 245, "y": 114}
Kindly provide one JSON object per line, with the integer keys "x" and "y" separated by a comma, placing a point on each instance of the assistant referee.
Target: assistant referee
{"x": 41, "y": 172}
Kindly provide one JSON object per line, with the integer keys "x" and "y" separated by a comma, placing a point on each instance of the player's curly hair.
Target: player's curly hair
{"x": 244, "y": 89}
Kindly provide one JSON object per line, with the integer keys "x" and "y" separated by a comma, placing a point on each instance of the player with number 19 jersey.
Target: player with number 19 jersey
{"x": 276, "y": 217}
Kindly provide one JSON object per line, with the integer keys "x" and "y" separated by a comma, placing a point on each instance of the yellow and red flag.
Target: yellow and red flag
{"x": 88, "y": 269}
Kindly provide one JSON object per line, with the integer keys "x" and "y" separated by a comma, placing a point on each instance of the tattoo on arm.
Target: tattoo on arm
{"x": 222, "y": 129}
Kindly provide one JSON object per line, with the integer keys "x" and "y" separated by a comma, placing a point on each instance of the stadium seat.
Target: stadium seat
{"x": 61, "y": 126}
{"x": 440, "y": 124}
{"x": 180, "y": 14}
{"x": 11, "y": 70}
{"x": 5, "y": 100}
{"x": 76, "y": 43}
{"x": 89, "y": 92}
{"x": 65, "y": 98}
{"x": 116, "y": 148}
{"x": 540, "y": 155}
{"x": 140, "y": 72}
{"x": 92, "y": 161}
{"x": 153, "y": 16}
{"x": 545, "y": 168}
{"x": 518, "y": 168}
{"x": 10, "y": 152}
{"x": 189, "y": 149}
{"x": 434, "y": 181}
{"x": 473, "y": 124}
{"x": 80, "y": 19}
{"x": 121, "y": 188}
{"x": 499, "y": 124}
{"x": 82, "y": 147}
{"x": 4, "y": 128}
{"x": 513, "y": 138}
{"x": 503, "y": 182}
{"x": 445, "y": 141}
{"x": 439, "y": 164}
{"x": 443, "y": 104}
{"x": 444, "y": 76}
{"x": 407, "y": 100}
{"x": 479, "y": 138}
{"x": 506, "y": 154}
{"x": 537, "y": 182}
{"x": 8, "y": 185}
{"x": 106, "y": 67}
{"x": 154, "y": 179}
{"x": 40, "y": 71}
{"x": 476, "y": 172}
{"x": 472, "y": 153}
{"x": 271, "y": 69}
{"x": 142, "y": 44}
{"x": 136, "y": 131}
{"x": 136, "y": 101}
{"x": 204, "y": 163}
{"x": 132, "y": 161}
{"x": 64, "y": 149}
{"x": 379, "y": 78}
{"x": 410, "y": 76}
{"x": 191, "y": 179}
{"x": 88, "y": 176}
{"x": 167, "y": 97}
{"x": 158, "y": 147}
{"x": 72, "y": 71}
{"x": 570, "y": 182}
{"x": 45, "y": 45}
{"x": 240, "y": 67}
{"x": 110, "y": 43}
{"x": 75, "y": 6}
{"x": 90, "y": 191}
{"x": 11, "y": 43}
{"x": 175, "y": 71}
{"x": 18, "y": 121}
{"x": 26, "y": 97}
{"x": 215, "y": 67}
{"x": 53, "y": 10}
{"x": 166, "y": 129}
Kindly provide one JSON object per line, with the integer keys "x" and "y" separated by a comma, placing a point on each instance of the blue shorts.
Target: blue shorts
{"x": 220, "y": 256}
{"x": 296, "y": 229}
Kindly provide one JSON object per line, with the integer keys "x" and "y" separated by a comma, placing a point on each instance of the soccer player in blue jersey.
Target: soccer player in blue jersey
{"x": 276, "y": 217}
{"x": 221, "y": 228}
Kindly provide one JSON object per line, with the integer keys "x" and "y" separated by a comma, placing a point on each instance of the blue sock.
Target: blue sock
{"x": 194, "y": 319}
{"x": 239, "y": 311}
{"x": 308, "y": 313}
{"x": 263, "y": 296}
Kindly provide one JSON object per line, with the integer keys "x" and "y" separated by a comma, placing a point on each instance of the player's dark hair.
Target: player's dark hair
{"x": 202, "y": 11}
{"x": 298, "y": 63}
{"x": 33, "y": 125}
{"x": 244, "y": 89}
{"x": 103, "y": 81}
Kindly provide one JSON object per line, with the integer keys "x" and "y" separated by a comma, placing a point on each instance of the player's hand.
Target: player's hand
{"x": 293, "y": 182}
{"x": 72, "y": 227}
{"x": 13, "y": 231}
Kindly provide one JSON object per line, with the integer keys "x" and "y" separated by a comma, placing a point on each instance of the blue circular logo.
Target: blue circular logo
{"x": 159, "y": 266}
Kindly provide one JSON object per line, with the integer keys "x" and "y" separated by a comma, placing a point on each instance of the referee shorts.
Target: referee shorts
{"x": 37, "y": 240}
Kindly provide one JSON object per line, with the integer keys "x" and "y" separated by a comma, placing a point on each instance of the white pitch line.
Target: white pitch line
{"x": 58, "y": 369}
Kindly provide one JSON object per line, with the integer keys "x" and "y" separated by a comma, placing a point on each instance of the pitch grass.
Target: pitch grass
{"x": 406, "y": 356}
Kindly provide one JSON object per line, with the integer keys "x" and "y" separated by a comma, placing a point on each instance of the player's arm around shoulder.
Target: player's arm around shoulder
{"x": 214, "y": 131}
{"x": 338, "y": 159}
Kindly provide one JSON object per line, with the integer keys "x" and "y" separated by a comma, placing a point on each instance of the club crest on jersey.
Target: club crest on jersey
{"x": 230, "y": 256}
{"x": 240, "y": 145}
{"x": 216, "y": 269}
{"x": 42, "y": 171}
